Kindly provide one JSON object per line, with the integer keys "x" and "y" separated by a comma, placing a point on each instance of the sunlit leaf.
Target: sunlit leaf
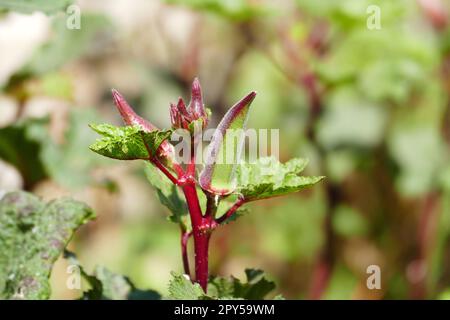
{"x": 269, "y": 178}
{"x": 218, "y": 175}
{"x": 182, "y": 288}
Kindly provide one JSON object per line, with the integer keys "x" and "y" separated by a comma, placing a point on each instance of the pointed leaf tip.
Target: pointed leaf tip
{"x": 246, "y": 100}
{"x": 235, "y": 112}
{"x": 128, "y": 115}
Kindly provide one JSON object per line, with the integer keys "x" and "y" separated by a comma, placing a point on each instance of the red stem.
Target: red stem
{"x": 201, "y": 227}
{"x": 201, "y": 233}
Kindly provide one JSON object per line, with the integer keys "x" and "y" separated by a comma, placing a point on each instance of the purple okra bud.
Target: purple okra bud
{"x": 179, "y": 116}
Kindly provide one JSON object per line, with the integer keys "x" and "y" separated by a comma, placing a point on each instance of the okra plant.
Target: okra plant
{"x": 202, "y": 192}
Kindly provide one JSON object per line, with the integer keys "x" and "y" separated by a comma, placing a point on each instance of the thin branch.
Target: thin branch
{"x": 164, "y": 170}
{"x": 160, "y": 166}
{"x": 184, "y": 242}
{"x": 231, "y": 211}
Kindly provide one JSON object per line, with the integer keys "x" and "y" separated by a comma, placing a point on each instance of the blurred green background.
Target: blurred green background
{"x": 369, "y": 107}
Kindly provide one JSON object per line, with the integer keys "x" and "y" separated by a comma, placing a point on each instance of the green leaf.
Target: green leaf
{"x": 181, "y": 288}
{"x": 221, "y": 288}
{"x": 218, "y": 175}
{"x": 33, "y": 234}
{"x": 256, "y": 287}
{"x": 269, "y": 178}
{"x": 127, "y": 143}
{"x": 107, "y": 285}
{"x": 118, "y": 287}
{"x": 168, "y": 196}
{"x": 350, "y": 120}
{"x": 29, "y": 6}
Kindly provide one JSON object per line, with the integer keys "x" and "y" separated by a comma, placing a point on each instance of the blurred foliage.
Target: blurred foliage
{"x": 127, "y": 142}
{"x": 68, "y": 44}
{"x": 18, "y": 144}
{"x": 63, "y": 162}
